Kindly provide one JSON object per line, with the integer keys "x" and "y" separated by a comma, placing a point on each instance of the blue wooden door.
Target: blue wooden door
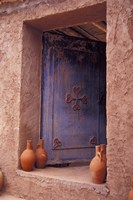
{"x": 73, "y": 97}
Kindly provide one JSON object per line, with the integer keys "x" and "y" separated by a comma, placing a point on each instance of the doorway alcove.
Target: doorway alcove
{"x": 30, "y": 119}
{"x": 73, "y": 106}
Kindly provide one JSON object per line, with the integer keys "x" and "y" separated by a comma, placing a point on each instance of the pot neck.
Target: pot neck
{"x": 29, "y": 144}
{"x": 102, "y": 148}
{"x": 97, "y": 149}
{"x": 41, "y": 143}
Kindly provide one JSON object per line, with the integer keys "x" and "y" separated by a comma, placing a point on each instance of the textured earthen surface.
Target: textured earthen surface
{"x": 20, "y": 72}
{"x": 30, "y": 97}
{"x": 119, "y": 96}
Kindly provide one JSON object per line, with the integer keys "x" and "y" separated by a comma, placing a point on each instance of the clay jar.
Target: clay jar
{"x": 98, "y": 169}
{"x": 1, "y": 179}
{"x": 130, "y": 195}
{"x": 41, "y": 155}
{"x": 28, "y": 158}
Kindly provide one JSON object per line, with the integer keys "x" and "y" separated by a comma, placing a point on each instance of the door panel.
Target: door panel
{"x": 70, "y": 97}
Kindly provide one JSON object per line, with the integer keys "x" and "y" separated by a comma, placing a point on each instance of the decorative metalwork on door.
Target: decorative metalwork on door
{"x": 75, "y": 97}
{"x": 57, "y": 143}
{"x": 93, "y": 140}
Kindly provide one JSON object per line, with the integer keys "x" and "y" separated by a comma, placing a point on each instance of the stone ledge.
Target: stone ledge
{"x": 9, "y": 197}
{"x": 70, "y": 176}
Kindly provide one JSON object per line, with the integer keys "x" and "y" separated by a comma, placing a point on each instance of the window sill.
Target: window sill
{"x": 75, "y": 175}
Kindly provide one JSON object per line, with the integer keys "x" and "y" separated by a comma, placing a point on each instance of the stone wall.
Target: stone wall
{"x": 20, "y": 54}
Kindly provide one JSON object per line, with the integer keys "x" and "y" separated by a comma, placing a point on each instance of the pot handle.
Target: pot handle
{"x": 99, "y": 155}
{"x": 43, "y": 155}
{"x": 132, "y": 182}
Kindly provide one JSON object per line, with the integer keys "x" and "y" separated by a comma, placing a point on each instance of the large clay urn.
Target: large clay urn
{"x": 41, "y": 155}
{"x": 130, "y": 195}
{"x": 98, "y": 167}
{"x": 1, "y": 180}
{"x": 28, "y": 158}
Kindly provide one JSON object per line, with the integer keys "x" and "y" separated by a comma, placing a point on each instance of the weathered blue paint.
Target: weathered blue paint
{"x": 72, "y": 67}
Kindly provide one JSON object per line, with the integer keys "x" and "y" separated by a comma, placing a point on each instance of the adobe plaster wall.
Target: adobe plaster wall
{"x": 120, "y": 96}
{"x": 20, "y": 55}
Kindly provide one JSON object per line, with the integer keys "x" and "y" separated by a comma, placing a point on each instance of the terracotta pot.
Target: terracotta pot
{"x": 28, "y": 158}
{"x": 98, "y": 167}
{"x": 1, "y": 179}
{"x": 41, "y": 155}
{"x": 130, "y": 195}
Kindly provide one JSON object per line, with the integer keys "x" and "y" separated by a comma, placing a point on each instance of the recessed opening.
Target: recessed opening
{"x": 73, "y": 105}
{"x": 72, "y": 41}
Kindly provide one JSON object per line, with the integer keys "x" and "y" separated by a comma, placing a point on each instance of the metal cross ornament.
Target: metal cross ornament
{"x": 76, "y": 98}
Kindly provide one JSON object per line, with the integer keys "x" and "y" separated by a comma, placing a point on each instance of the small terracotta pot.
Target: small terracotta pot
{"x": 28, "y": 158}
{"x": 41, "y": 155}
{"x": 1, "y": 180}
{"x": 98, "y": 168}
{"x": 130, "y": 195}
